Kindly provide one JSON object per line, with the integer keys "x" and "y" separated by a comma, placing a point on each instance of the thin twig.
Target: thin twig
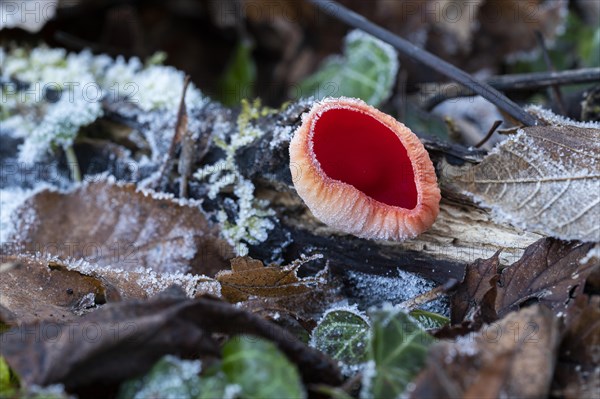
{"x": 554, "y": 90}
{"x": 73, "y": 163}
{"x": 520, "y": 81}
{"x": 355, "y": 20}
{"x": 177, "y": 136}
{"x": 489, "y": 134}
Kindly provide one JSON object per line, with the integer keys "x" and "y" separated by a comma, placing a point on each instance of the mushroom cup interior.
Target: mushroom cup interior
{"x": 357, "y": 149}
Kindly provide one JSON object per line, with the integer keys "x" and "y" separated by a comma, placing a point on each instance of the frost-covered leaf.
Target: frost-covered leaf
{"x": 169, "y": 378}
{"x": 33, "y": 289}
{"x": 121, "y": 227}
{"x": 116, "y": 342}
{"x": 513, "y": 358}
{"x": 429, "y": 320}
{"x": 215, "y": 386}
{"x": 398, "y": 349}
{"x": 544, "y": 179}
{"x": 367, "y": 70}
{"x": 344, "y": 335}
{"x": 67, "y": 289}
{"x": 260, "y": 369}
{"x": 249, "y": 277}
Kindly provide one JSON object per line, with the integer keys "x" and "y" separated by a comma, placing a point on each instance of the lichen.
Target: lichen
{"x": 253, "y": 219}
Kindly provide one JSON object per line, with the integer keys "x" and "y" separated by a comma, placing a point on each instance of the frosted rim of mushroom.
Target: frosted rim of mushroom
{"x": 345, "y": 207}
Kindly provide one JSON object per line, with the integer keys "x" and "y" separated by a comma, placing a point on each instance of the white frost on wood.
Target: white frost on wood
{"x": 253, "y": 219}
{"x": 396, "y": 288}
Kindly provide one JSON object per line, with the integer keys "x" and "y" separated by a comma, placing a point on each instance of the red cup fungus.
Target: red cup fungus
{"x": 363, "y": 172}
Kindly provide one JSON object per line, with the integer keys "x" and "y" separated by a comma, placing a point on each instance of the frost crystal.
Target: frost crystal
{"x": 593, "y": 253}
{"x": 369, "y": 373}
{"x": 10, "y": 200}
{"x": 558, "y": 120}
{"x": 60, "y": 126}
{"x": 80, "y": 81}
{"x": 253, "y": 220}
{"x": 373, "y": 289}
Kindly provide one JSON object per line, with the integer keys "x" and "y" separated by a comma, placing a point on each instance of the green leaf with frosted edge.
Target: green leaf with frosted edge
{"x": 260, "y": 369}
{"x": 170, "y": 377}
{"x": 367, "y": 70}
{"x": 343, "y": 335}
{"x": 8, "y": 380}
{"x": 237, "y": 80}
{"x": 398, "y": 348}
{"x": 212, "y": 386}
{"x": 429, "y": 319}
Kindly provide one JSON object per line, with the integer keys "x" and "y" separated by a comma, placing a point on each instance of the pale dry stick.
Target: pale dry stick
{"x": 429, "y": 296}
{"x": 177, "y": 136}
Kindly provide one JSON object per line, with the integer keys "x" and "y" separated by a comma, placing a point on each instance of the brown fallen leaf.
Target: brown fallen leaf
{"x": 468, "y": 296}
{"x": 544, "y": 179}
{"x": 511, "y": 358}
{"x": 121, "y": 227}
{"x": 577, "y": 373}
{"x": 549, "y": 272}
{"x": 36, "y": 290}
{"x": 124, "y": 339}
{"x": 250, "y": 277}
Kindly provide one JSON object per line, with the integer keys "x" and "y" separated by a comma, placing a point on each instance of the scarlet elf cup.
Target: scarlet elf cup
{"x": 363, "y": 172}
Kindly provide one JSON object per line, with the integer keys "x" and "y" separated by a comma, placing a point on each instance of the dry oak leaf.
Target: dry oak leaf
{"x": 32, "y": 289}
{"x": 511, "y": 358}
{"x": 250, "y": 277}
{"x": 124, "y": 339}
{"x": 119, "y": 226}
{"x": 468, "y": 296}
{"x": 577, "y": 373}
{"x": 550, "y": 272}
{"x": 545, "y": 179}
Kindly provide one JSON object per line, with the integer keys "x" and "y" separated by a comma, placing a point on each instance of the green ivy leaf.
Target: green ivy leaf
{"x": 9, "y": 382}
{"x": 398, "y": 348}
{"x": 212, "y": 387}
{"x": 170, "y": 377}
{"x": 429, "y": 319}
{"x": 260, "y": 369}
{"x": 343, "y": 335}
{"x": 367, "y": 70}
{"x": 237, "y": 80}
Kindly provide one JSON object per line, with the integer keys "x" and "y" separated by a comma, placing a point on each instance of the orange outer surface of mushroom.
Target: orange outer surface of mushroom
{"x": 363, "y": 172}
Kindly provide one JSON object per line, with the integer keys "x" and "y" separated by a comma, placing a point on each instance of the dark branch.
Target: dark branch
{"x": 521, "y": 81}
{"x": 355, "y": 20}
